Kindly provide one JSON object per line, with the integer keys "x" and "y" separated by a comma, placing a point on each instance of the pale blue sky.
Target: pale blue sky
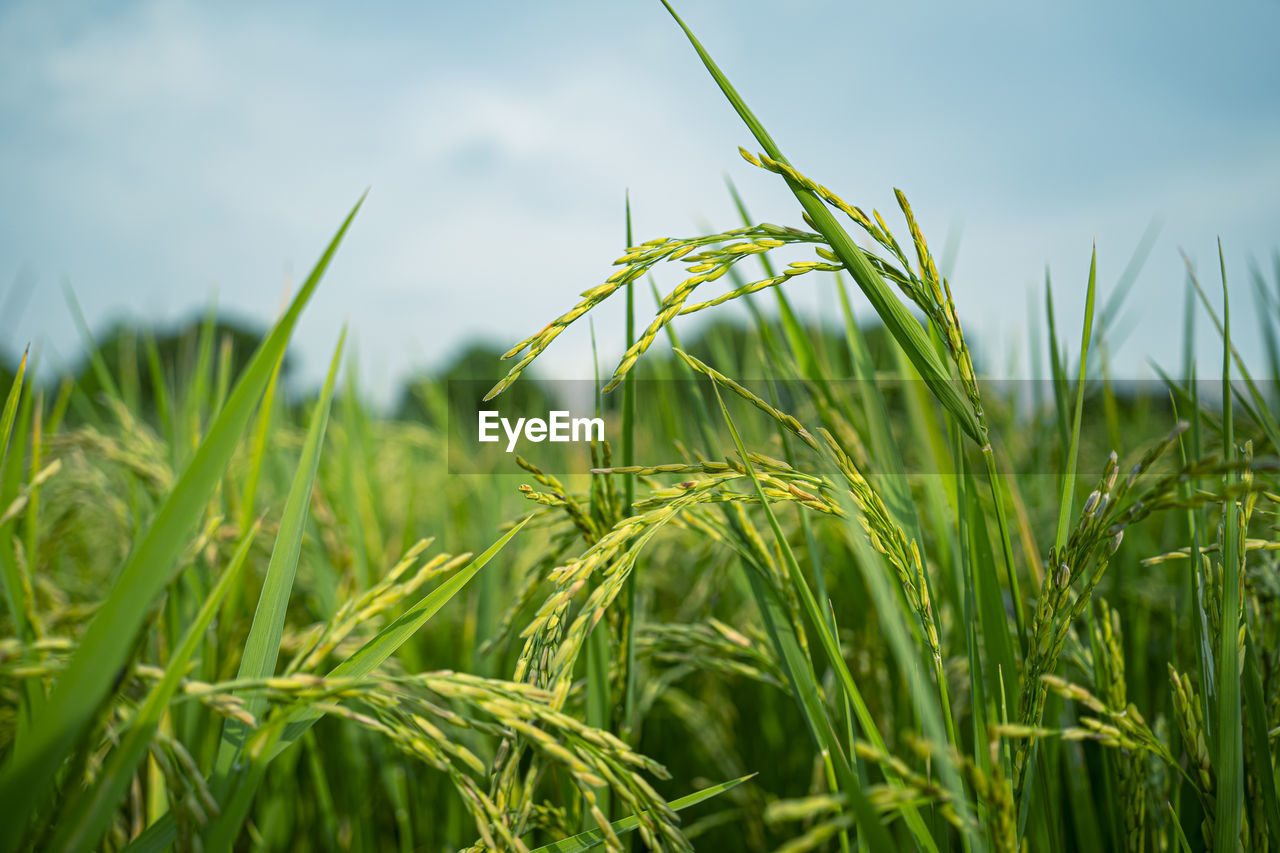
{"x": 152, "y": 153}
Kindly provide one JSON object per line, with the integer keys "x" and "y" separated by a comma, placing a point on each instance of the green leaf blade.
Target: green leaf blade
{"x": 262, "y": 646}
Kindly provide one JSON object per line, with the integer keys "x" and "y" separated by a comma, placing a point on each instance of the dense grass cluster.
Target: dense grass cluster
{"x": 829, "y": 589}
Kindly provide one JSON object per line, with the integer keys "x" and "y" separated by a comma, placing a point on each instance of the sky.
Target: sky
{"x": 156, "y": 155}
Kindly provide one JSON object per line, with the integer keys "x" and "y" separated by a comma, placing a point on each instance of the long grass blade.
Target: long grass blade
{"x": 1230, "y": 766}
{"x": 13, "y": 593}
{"x": 628, "y": 498}
{"x": 897, "y": 319}
{"x": 1073, "y": 453}
{"x": 262, "y": 646}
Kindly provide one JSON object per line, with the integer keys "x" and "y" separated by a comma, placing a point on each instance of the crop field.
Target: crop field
{"x": 823, "y": 586}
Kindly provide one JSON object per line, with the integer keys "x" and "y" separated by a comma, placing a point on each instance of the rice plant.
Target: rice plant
{"x": 872, "y": 600}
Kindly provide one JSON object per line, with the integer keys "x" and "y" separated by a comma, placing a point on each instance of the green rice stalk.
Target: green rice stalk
{"x": 1230, "y": 746}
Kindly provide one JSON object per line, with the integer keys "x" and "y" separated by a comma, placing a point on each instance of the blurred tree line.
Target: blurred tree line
{"x": 130, "y": 357}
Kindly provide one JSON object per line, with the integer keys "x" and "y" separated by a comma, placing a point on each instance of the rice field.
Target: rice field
{"x": 822, "y": 588}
